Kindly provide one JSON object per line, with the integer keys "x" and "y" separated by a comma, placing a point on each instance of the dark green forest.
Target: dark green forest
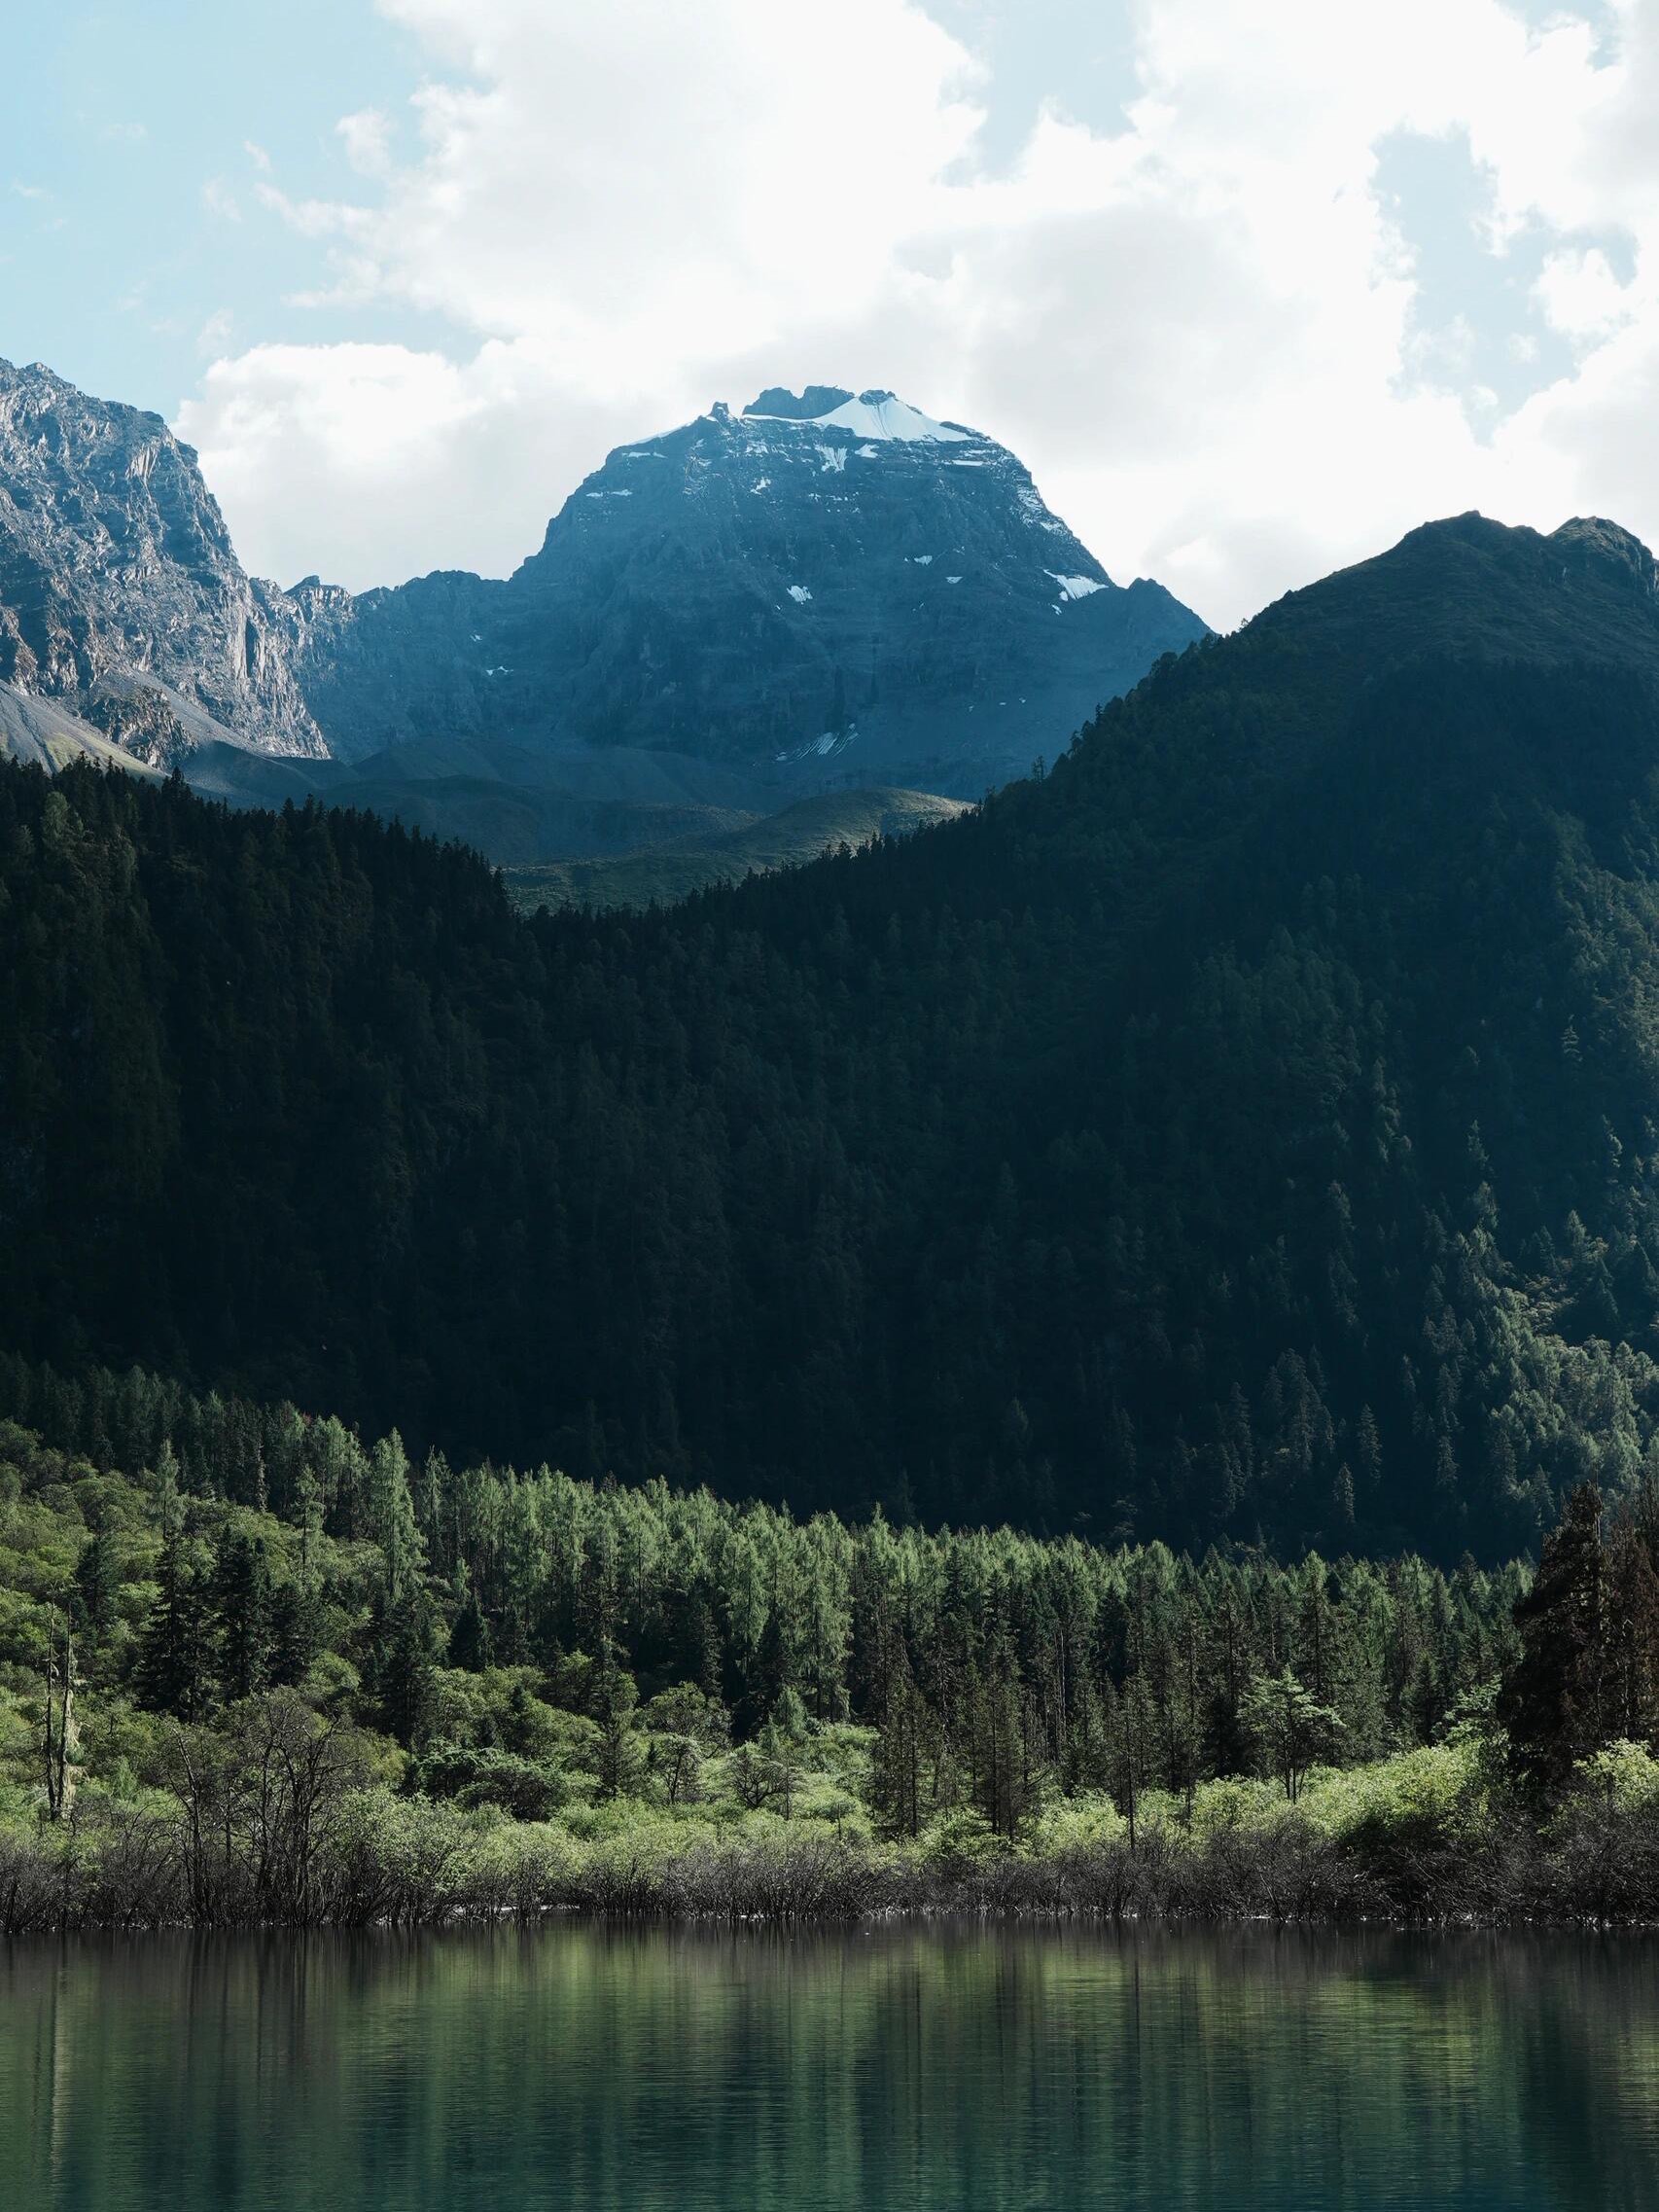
{"x": 1242, "y": 1131}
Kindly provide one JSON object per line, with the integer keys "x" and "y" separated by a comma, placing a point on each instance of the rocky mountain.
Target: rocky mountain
{"x": 822, "y": 588}
{"x": 822, "y": 593}
{"x": 121, "y": 597}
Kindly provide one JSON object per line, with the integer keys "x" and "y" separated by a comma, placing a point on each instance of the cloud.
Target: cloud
{"x": 1197, "y": 326}
{"x": 367, "y": 137}
{"x": 220, "y": 201}
{"x": 369, "y": 442}
{"x": 1580, "y": 295}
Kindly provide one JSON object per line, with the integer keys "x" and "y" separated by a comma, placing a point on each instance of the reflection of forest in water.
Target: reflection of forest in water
{"x": 585, "y": 2066}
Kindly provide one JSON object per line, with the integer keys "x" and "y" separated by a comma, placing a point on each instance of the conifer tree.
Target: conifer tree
{"x": 175, "y": 1652}
{"x": 901, "y": 1757}
{"x": 405, "y": 1673}
{"x": 96, "y": 1581}
{"x": 1630, "y": 1669}
{"x": 614, "y": 1699}
{"x": 1552, "y": 1699}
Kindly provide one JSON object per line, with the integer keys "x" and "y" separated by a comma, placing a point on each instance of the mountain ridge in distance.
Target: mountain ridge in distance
{"x": 782, "y": 603}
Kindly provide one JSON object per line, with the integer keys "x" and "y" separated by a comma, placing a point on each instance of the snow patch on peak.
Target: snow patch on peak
{"x": 799, "y": 594}
{"x": 873, "y": 414}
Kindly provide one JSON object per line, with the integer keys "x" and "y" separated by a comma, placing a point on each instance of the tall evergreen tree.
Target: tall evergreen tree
{"x": 1553, "y": 1698}
{"x": 243, "y": 1600}
{"x": 175, "y": 1657}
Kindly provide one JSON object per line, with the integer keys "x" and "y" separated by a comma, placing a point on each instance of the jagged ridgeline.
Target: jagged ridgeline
{"x": 1245, "y": 1127}
{"x": 821, "y": 594}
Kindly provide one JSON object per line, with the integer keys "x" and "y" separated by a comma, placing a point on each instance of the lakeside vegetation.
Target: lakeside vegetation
{"x": 254, "y": 1670}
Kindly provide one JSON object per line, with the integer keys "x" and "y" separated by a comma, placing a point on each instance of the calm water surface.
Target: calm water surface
{"x": 579, "y": 2067}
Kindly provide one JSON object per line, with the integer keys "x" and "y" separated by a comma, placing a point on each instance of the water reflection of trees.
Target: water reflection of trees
{"x": 960, "y": 2067}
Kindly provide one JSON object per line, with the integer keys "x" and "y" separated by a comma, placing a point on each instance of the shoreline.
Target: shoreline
{"x": 1286, "y": 1876}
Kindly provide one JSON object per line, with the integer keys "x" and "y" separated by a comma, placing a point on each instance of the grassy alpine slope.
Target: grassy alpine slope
{"x": 279, "y": 1676}
{"x": 789, "y": 838}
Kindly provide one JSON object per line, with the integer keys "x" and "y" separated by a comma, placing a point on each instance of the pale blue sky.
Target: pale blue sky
{"x": 120, "y": 123}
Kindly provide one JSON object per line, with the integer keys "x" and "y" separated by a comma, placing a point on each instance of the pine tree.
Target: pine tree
{"x": 96, "y": 1582}
{"x": 903, "y": 1754}
{"x": 175, "y": 1651}
{"x": 243, "y": 1601}
{"x": 1630, "y": 1671}
{"x": 1552, "y": 1698}
{"x": 407, "y": 1692}
{"x": 296, "y": 1632}
{"x": 1133, "y": 1752}
{"x": 614, "y": 1699}
{"x": 470, "y": 1636}
{"x": 402, "y": 1553}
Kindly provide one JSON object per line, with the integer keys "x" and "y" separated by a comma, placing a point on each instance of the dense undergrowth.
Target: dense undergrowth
{"x": 1419, "y": 1843}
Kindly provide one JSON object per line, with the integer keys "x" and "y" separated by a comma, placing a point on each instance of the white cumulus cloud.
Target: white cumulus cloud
{"x": 1197, "y": 325}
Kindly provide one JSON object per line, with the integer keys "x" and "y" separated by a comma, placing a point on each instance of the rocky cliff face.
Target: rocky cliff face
{"x": 398, "y": 667}
{"x": 822, "y": 586}
{"x": 120, "y": 595}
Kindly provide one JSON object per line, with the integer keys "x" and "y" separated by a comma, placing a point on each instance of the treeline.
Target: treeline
{"x": 996, "y": 1668}
{"x": 1242, "y": 1132}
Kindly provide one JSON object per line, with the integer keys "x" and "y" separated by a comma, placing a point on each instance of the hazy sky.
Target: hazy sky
{"x": 1252, "y": 285}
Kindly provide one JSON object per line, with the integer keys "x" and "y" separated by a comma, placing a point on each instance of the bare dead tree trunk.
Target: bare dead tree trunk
{"x": 60, "y": 1745}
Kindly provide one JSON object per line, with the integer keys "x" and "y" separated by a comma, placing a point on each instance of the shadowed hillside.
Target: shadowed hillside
{"x": 1244, "y": 1128}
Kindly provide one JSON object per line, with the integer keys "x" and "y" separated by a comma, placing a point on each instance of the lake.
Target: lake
{"x": 578, "y": 2066}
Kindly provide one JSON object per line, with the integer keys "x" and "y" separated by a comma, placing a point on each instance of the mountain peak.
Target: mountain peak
{"x": 1592, "y": 539}
{"x": 829, "y": 585}
{"x": 781, "y": 406}
{"x": 826, "y": 584}
{"x": 874, "y": 413}
{"x": 38, "y": 381}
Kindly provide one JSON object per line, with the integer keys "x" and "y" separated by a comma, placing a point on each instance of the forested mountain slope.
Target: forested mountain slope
{"x": 1244, "y": 1128}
